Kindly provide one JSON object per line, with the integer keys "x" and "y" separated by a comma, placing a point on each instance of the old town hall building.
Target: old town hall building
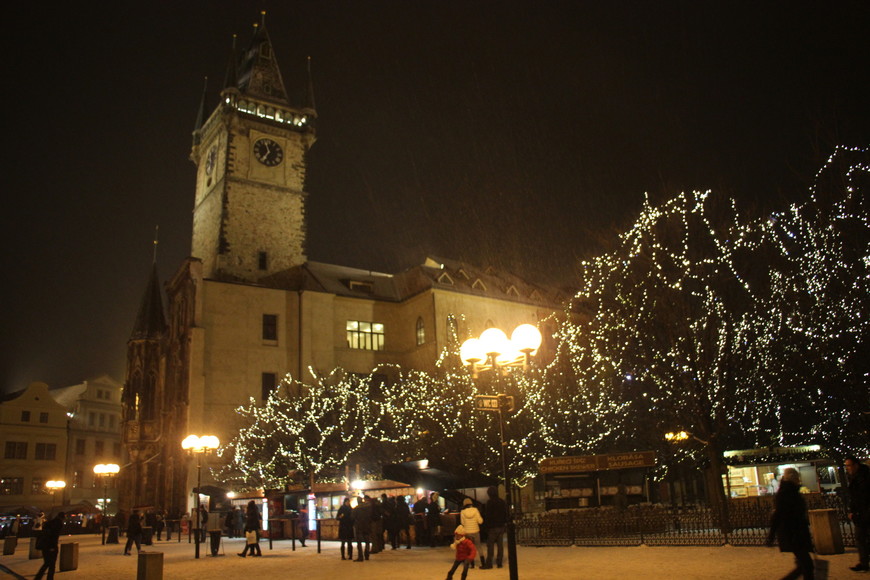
{"x": 248, "y": 307}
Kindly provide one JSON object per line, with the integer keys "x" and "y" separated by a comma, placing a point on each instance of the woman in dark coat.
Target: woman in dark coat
{"x": 345, "y": 528}
{"x": 253, "y": 521}
{"x": 790, "y": 525}
{"x": 402, "y": 520}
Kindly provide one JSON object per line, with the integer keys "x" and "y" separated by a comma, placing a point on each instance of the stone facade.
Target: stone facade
{"x": 249, "y": 308}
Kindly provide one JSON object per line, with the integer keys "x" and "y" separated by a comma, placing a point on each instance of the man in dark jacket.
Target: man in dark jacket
{"x": 859, "y": 509}
{"x": 48, "y": 543}
{"x": 495, "y": 515}
{"x": 362, "y": 527}
{"x": 790, "y": 525}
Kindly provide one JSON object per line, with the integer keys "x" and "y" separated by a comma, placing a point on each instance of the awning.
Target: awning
{"x": 436, "y": 477}
{"x": 211, "y": 490}
{"x": 19, "y": 510}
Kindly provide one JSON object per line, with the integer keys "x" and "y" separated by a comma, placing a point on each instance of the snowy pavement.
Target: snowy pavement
{"x": 97, "y": 562}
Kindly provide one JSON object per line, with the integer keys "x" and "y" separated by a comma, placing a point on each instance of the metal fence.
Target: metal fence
{"x": 666, "y": 526}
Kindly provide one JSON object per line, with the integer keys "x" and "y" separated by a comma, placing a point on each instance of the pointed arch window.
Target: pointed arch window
{"x": 420, "y": 331}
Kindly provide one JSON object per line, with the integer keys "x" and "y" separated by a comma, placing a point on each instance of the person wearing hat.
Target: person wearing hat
{"x": 465, "y": 552}
{"x": 471, "y": 519}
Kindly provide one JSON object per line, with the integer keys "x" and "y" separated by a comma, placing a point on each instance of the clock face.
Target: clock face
{"x": 210, "y": 160}
{"x": 268, "y": 152}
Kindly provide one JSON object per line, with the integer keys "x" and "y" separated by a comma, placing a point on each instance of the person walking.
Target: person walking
{"x": 433, "y": 519}
{"x": 470, "y": 519}
{"x": 495, "y": 514}
{"x": 790, "y": 525}
{"x": 403, "y": 520}
{"x": 134, "y": 532}
{"x": 48, "y": 541}
{"x": 253, "y": 523}
{"x": 362, "y": 527}
{"x": 859, "y": 509}
{"x": 345, "y": 528}
{"x": 303, "y": 524}
{"x": 465, "y": 552}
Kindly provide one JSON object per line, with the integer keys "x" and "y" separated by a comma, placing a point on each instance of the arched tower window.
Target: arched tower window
{"x": 421, "y": 331}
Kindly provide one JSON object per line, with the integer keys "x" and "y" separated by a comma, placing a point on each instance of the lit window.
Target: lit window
{"x": 37, "y": 486}
{"x": 365, "y": 335}
{"x": 11, "y": 485}
{"x": 421, "y": 331}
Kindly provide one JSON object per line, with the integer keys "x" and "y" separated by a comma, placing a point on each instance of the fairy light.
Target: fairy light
{"x": 743, "y": 332}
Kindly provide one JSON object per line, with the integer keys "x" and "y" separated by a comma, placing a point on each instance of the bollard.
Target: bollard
{"x": 318, "y": 535}
{"x": 827, "y": 537}
{"x": 147, "y": 535}
{"x": 113, "y": 535}
{"x": 69, "y": 556}
{"x": 150, "y": 566}
{"x": 9, "y": 545}
{"x": 34, "y": 554}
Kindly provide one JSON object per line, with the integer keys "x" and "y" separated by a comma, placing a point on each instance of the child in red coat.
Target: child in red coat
{"x": 465, "y": 552}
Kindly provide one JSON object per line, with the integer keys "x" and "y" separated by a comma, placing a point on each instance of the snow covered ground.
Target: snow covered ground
{"x": 97, "y": 562}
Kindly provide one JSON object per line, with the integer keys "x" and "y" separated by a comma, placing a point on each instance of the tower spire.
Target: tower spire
{"x": 200, "y": 115}
{"x": 156, "y": 235}
{"x": 309, "y": 97}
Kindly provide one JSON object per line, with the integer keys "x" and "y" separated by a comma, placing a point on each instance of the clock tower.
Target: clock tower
{"x": 249, "y": 208}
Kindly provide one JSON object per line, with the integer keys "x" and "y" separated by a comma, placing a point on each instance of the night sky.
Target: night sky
{"x": 519, "y": 134}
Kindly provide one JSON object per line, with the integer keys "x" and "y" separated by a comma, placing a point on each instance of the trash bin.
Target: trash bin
{"x": 150, "y": 566}
{"x": 112, "y": 538}
{"x": 147, "y": 535}
{"x": 69, "y": 556}
{"x": 9, "y": 545}
{"x": 34, "y": 554}
{"x": 827, "y": 537}
{"x": 215, "y": 541}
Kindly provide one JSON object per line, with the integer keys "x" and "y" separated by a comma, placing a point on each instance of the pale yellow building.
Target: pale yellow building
{"x": 248, "y": 307}
{"x": 94, "y": 437}
{"x": 33, "y": 431}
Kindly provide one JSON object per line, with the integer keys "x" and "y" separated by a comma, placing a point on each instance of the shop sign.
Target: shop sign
{"x": 604, "y": 462}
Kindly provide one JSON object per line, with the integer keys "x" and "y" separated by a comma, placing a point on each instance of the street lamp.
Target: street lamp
{"x": 106, "y": 471}
{"x": 55, "y": 485}
{"x": 199, "y": 446}
{"x": 494, "y": 351}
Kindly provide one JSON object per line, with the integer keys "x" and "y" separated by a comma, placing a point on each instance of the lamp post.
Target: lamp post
{"x": 106, "y": 471}
{"x": 198, "y": 446}
{"x": 54, "y": 485}
{"x": 494, "y": 351}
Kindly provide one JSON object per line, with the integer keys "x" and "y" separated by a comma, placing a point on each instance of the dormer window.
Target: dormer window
{"x": 263, "y": 260}
{"x": 512, "y": 291}
{"x": 479, "y": 285}
{"x": 445, "y": 279}
{"x": 361, "y": 286}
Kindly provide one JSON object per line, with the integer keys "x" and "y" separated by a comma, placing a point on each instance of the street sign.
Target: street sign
{"x": 494, "y": 403}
